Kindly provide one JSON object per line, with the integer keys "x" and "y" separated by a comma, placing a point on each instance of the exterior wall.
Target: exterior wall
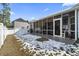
{"x": 21, "y": 25}
{"x": 47, "y": 29}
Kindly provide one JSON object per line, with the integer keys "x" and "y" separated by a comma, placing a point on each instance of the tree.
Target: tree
{"x": 0, "y": 17}
{"x": 6, "y": 14}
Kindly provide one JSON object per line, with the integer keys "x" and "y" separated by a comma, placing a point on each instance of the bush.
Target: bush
{"x": 31, "y": 30}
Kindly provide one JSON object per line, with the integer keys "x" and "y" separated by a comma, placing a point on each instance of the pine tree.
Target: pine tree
{"x": 6, "y": 14}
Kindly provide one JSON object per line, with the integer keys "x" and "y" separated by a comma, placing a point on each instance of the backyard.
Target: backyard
{"x": 16, "y": 38}
{"x": 23, "y": 43}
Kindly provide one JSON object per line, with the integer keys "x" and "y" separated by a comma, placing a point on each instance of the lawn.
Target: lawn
{"x": 40, "y": 46}
{"x": 26, "y": 44}
{"x": 11, "y": 47}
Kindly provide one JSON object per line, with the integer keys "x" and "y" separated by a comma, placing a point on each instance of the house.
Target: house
{"x": 63, "y": 24}
{"x": 21, "y": 23}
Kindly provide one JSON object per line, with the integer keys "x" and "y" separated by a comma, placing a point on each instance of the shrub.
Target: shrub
{"x": 31, "y": 30}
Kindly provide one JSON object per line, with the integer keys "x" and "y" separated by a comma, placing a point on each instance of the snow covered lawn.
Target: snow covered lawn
{"x": 44, "y": 47}
{"x": 47, "y": 45}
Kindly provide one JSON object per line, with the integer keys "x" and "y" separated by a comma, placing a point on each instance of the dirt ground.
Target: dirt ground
{"x": 11, "y": 47}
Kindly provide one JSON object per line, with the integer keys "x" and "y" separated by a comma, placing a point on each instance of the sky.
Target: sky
{"x": 35, "y": 11}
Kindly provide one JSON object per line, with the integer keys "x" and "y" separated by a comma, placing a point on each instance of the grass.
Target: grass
{"x": 12, "y": 47}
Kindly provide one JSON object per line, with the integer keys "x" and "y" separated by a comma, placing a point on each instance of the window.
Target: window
{"x": 50, "y": 25}
{"x": 73, "y": 27}
{"x": 68, "y": 25}
{"x": 65, "y": 20}
{"x": 72, "y": 20}
{"x": 50, "y": 32}
{"x": 73, "y": 35}
{"x": 66, "y": 34}
{"x": 44, "y": 32}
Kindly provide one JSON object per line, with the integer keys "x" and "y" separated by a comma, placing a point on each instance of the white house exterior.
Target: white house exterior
{"x": 64, "y": 24}
{"x": 20, "y": 23}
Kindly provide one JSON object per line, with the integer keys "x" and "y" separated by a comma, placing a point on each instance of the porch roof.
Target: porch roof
{"x": 60, "y": 12}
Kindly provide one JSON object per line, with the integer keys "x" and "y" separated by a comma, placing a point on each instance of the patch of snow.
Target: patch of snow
{"x": 21, "y": 32}
{"x": 48, "y": 47}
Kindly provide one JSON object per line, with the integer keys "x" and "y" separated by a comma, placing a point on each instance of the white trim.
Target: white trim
{"x": 76, "y": 24}
{"x": 61, "y": 26}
